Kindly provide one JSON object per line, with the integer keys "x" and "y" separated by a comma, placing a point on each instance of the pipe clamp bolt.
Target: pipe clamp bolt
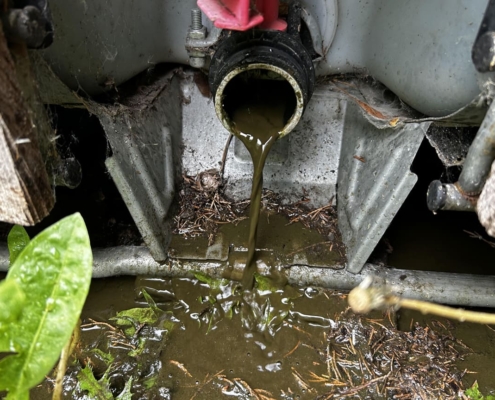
{"x": 197, "y": 31}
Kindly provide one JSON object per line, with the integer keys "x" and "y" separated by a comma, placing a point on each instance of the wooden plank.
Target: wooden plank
{"x": 26, "y": 195}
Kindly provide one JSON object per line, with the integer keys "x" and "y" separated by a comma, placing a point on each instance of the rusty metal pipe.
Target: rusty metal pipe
{"x": 462, "y": 195}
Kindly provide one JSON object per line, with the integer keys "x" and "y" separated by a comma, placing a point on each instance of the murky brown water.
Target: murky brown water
{"x": 290, "y": 345}
{"x": 213, "y": 344}
{"x": 257, "y": 120}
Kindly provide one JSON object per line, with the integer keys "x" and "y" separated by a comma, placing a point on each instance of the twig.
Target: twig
{"x": 62, "y": 364}
{"x": 364, "y": 298}
{"x": 444, "y": 311}
{"x": 476, "y": 235}
{"x": 293, "y": 350}
{"x": 206, "y": 380}
{"x": 181, "y": 367}
{"x": 301, "y": 382}
{"x": 296, "y": 328}
{"x": 317, "y": 211}
{"x": 335, "y": 366}
{"x": 327, "y": 359}
{"x": 96, "y": 323}
{"x": 248, "y": 388}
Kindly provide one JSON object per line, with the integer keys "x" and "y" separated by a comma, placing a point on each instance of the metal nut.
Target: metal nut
{"x": 195, "y": 34}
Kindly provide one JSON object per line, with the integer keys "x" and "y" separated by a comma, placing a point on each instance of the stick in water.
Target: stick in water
{"x": 62, "y": 364}
{"x": 366, "y": 297}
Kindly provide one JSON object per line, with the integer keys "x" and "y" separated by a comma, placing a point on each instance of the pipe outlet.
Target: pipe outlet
{"x": 261, "y": 68}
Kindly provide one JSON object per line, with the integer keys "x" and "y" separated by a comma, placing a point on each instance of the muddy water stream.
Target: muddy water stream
{"x": 259, "y": 146}
{"x": 257, "y": 122}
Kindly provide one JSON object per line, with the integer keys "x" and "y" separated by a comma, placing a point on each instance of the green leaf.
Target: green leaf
{"x": 17, "y": 240}
{"x": 126, "y": 393}
{"x": 19, "y": 396}
{"x": 54, "y": 271}
{"x": 133, "y": 317}
{"x": 150, "y": 382}
{"x": 265, "y": 284}
{"x": 474, "y": 393}
{"x": 12, "y": 299}
{"x": 151, "y": 302}
{"x": 142, "y": 342}
{"x": 213, "y": 283}
{"x": 98, "y": 390}
{"x": 107, "y": 358}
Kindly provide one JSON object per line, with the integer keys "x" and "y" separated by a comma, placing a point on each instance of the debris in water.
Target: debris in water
{"x": 379, "y": 361}
{"x": 238, "y": 388}
{"x": 181, "y": 367}
{"x": 289, "y": 343}
{"x": 203, "y": 207}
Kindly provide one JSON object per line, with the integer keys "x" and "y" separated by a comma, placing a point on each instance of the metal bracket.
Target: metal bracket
{"x": 145, "y": 144}
{"x": 374, "y": 180}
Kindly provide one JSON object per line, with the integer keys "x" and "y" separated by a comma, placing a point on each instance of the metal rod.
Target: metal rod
{"x": 440, "y": 287}
{"x": 446, "y": 196}
{"x": 480, "y": 156}
{"x": 462, "y": 196}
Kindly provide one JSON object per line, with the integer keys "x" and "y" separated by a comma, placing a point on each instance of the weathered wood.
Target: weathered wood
{"x": 26, "y": 195}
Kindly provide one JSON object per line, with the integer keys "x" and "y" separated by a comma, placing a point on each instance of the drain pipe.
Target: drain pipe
{"x": 463, "y": 195}
{"x": 246, "y": 63}
{"x": 447, "y": 288}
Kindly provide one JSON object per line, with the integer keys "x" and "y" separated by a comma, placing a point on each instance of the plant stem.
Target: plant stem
{"x": 62, "y": 364}
{"x": 364, "y": 298}
{"x": 448, "y": 312}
